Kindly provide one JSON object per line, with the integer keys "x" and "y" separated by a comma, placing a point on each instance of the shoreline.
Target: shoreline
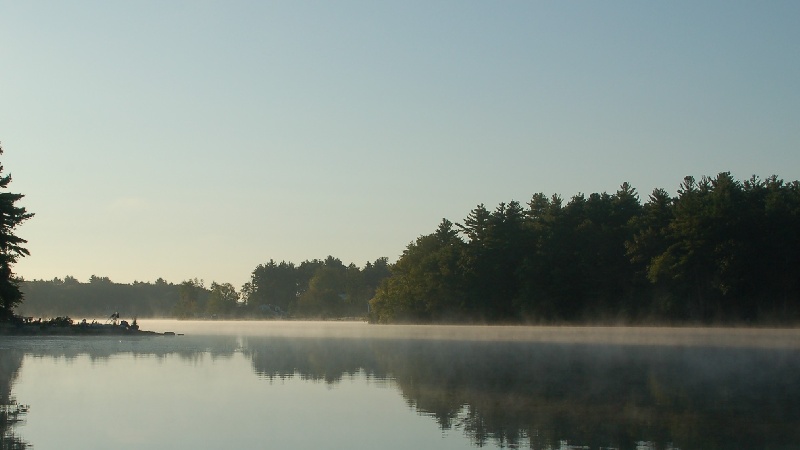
{"x": 95, "y": 329}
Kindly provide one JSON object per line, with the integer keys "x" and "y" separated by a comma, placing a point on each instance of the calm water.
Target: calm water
{"x": 305, "y": 385}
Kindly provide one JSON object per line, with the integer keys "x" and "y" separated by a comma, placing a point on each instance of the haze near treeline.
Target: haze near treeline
{"x": 722, "y": 251}
{"x": 199, "y": 140}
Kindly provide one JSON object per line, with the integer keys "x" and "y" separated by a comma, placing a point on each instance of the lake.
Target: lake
{"x": 349, "y": 385}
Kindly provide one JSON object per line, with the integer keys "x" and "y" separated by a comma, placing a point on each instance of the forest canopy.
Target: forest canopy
{"x": 720, "y": 251}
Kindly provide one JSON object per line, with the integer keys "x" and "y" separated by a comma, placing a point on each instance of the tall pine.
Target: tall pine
{"x": 11, "y": 246}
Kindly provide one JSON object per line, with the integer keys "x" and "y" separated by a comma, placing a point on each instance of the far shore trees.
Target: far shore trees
{"x": 222, "y": 300}
{"x": 722, "y": 251}
{"x": 11, "y": 246}
{"x": 313, "y": 289}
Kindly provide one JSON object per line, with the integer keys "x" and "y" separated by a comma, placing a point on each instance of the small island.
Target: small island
{"x": 65, "y": 326}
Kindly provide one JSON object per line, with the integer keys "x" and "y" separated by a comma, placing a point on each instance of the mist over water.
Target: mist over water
{"x": 682, "y": 336}
{"x": 353, "y": 385}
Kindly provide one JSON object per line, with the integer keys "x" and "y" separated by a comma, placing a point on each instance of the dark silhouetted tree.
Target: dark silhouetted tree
{"x": 721, "y": 251}
{"x": 11, "y": 246}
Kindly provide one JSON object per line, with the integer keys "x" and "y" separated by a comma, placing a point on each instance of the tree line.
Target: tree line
{"x": 720, "y": 251}
{"x": 99, "y": 297}
{"x": 313, "y": 289}
{"x": 317, "y": 288}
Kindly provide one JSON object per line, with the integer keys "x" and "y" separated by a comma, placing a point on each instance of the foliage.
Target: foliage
{"x": 272, "y": 284}
{"x": 11, "y": 246}
{"x": 223, "y": 300}
{"x": 190, "y": 301}
{"x": 721, "y": 251}
{"x": 316, "y": 288}
{"x": 422, "y": 286}
{"x": 97, "y": 298}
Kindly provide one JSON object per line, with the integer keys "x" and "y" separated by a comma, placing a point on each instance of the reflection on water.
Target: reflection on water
{"x": 542, "y": 394}
{"x": 546, "y": 393}
{"x": 11, "y": 412}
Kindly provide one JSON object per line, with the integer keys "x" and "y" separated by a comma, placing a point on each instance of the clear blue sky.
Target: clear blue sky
{"x": 199, "y": 139}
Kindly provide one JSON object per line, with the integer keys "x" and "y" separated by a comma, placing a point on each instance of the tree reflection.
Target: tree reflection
{"x": 11, "y": 412}
{"x": 543, "y": 395}
{"x": 313, "y": 359}
{"x": 518, "y": 394}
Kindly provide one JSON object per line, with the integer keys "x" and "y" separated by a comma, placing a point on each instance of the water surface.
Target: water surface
{"x": 358, "y": 386}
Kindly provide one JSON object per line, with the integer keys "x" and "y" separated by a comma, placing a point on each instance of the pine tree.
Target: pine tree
{"x": 11, "y": 246}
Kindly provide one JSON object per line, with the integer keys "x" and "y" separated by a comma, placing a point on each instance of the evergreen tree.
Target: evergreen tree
{"x": 651, "y": 239}
{"x": 721, "y": 251}
{"x": 11, "y": 246}
{"x": 272, "y": 284}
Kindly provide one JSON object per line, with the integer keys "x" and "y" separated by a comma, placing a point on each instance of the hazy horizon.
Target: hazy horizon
{"x": 198, "y": 140}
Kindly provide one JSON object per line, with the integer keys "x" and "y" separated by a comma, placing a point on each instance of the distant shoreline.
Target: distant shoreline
{"x": 83, "y": 329}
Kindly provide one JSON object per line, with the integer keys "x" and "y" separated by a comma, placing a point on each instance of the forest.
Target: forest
{"x": 313, "y": 289}
{"x": 720, "y": 252}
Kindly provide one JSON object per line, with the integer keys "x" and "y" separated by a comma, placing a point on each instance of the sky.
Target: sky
{"x": 198, "y": 139}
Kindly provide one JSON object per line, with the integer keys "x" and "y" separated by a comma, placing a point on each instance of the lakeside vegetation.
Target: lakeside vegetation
{"x": 721, "y": 251}
{"x": 313, "y": 289}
